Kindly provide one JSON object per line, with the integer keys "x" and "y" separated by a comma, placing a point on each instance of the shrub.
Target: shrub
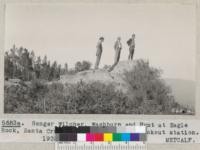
{"x": 16, "y": 98}
{"x": 147, "y": 90}
{"x": 38, "y": 88}
{"x": 25, "y": 97}
{"x": 54, "y": 99}
{"x": 81, "y": 66}
{"x": 85, "y": 98}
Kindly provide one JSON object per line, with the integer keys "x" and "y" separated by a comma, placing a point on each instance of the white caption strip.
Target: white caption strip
{"x": 158, "y": 131}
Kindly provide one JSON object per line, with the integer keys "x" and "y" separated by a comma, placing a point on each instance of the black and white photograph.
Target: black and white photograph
{"x": 78, "y": 58}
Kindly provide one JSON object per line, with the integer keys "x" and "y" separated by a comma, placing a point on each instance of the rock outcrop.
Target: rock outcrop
{"x": 116, "y": 76}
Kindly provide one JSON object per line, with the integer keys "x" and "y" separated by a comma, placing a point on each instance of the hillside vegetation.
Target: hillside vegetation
{"x": 131, "y": 88}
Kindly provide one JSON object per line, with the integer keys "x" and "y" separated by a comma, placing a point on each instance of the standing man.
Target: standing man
{"x": 117, "y": 47}
{"x": 99, "y": 52}
{"x": 131, "y": 44}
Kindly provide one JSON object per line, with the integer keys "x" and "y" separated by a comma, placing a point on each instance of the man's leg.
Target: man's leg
{"x": 97, "y": 62}
{"x": 129, "y": 56}
{"x": 132, "y": 53}
{"x": 117, "y": 57}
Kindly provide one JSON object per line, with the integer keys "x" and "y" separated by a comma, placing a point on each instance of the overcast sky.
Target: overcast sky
{"x": 165, "y": 34}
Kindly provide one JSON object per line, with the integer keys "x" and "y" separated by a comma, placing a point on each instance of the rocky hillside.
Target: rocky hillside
{"x": 139, "y": 92}
{"x": 115, "y": 77}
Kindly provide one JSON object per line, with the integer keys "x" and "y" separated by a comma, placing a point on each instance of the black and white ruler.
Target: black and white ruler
{"x": 100, "y": 146}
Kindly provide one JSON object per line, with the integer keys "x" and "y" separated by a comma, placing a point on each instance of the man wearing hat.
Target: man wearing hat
{"x": 99, "y": 52}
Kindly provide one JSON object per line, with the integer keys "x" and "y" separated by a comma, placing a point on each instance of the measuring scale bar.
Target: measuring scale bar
{"x": 100, "y": 146}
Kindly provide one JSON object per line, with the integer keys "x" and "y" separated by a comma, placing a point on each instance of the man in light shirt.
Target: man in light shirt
{"x": 99, "y": 52}
{"x": 118, "y": 48}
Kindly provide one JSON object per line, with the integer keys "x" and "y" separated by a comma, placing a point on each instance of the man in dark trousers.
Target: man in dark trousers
{"x": 99, "y": 52}
{"x": 131, "y": 44}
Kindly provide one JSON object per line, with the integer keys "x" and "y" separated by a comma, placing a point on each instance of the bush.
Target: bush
{"x": 83, "y": 98}
{"x": 81, "y": 66}
{"x": 16, "y": 98}
{"x": 55, "y": 99}
{"x": 25, "y": 97}
{"x": 147, "y": 90}
{"x": 38, "y": 90}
